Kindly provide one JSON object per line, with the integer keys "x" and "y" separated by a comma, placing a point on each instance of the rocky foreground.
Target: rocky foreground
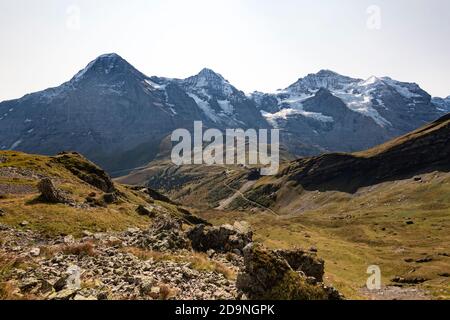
{"x": 167, "y": 261}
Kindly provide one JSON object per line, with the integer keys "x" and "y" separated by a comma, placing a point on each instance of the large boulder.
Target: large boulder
{"x": 268, "y": 276}
{"x": 49, "y": 193}
{"x": 225, "y": 238}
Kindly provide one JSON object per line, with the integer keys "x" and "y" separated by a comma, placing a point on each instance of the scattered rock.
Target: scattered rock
{"x": 87, "y": 233}
{"x": 409, "y": 222}
{"x": 70, "y": 280}
{"x": 99, "y": 236}
{"x": 211, "y": 253}
{"x": 155, "y": 292}
{"x": 445, "y": 274}
{"x": 2, "y": 213}
{"x": 102, "y": 296}
{"x": 131, "y": 231}
{"x": 79, "y": 297}
{"x": 69, "y": 239}
{"x": 165, "y": 234}
{"x": 35, "y": 252}
{"x": 60, "y": 284}
{"x": 65, "y": 294}
{"x": 28, "y": 283}
{"x": 24, "y": 223}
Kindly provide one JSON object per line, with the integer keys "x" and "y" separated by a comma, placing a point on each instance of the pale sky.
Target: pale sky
{"x": 255, "y": 44}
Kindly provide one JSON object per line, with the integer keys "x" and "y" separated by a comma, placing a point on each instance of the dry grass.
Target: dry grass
{"x": 149, "y": 254}
{"x": 7, "y": 290}
{"x": 79, "y": 249}
{"x": 201, "y": 262}
{"x": 166, "y": 292}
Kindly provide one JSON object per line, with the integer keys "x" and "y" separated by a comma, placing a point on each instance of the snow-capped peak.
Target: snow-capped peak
{"x": 371, "y": 80}
{"x": 325, "y": 79}
{"x": 206, "y": 78}
{"x": 209, "y": 73}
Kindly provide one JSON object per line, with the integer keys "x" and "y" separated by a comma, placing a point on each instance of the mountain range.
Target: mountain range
{"x": 118, "y": 117}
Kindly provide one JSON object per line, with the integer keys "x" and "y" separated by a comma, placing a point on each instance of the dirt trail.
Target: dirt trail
{"x": 238, "y": 193}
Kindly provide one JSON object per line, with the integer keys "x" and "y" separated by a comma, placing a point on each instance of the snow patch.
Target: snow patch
{"x": 226, "y": 106}
{"x": 155, "y": 85}
{"x": 362, "y": 103}
{"x": 286, "y": 113}
{"x": 15, "y": 144}
{"x": 205, "y": 107}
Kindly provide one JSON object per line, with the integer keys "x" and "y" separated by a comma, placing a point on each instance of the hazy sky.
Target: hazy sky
{"x": 256, "y": 44}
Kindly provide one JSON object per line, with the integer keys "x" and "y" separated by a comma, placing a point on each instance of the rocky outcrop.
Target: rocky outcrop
{"x": 165, "y": 234}
{"x": 154, "y": 195}
{"x": 146, "y": 211}
{"x": 225, "y": 238}
{"x": 110, "y": 198}
{"x": 268, "y": 276}
{"x": 423, "y": 150}
{"x": 86, "y": 171}
{"x": 306, "y": 262}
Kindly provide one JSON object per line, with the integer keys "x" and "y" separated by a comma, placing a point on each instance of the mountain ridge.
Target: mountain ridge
{"x": 118, "y": 116}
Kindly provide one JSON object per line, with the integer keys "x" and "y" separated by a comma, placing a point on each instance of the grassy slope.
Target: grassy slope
{"x": 367, "y": 228}
{"x": 58, "y": 218}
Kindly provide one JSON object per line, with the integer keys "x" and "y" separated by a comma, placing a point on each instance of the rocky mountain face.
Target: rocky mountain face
{"x": 442, "y": 103}
{"x": 117, "y": 116}
{"x": 331, "y": 112}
